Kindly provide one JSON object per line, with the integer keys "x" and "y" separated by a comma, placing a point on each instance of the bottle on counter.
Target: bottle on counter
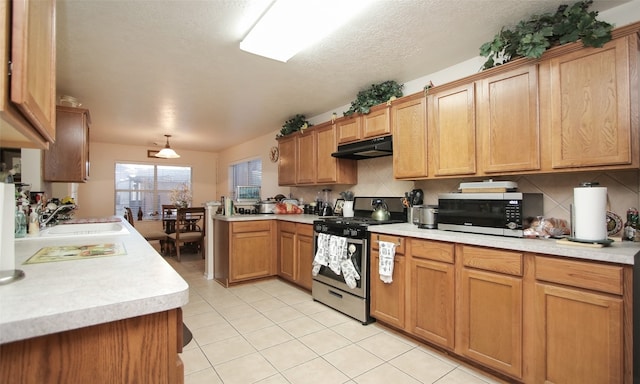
{"x": 140, "y": 213}
{"x": 21, "y": 223}
{"x": 631, "y": 230}
{"x": 34, "y": 225}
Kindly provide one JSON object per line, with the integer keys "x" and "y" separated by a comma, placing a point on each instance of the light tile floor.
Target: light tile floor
{"x": 273, "y": 332}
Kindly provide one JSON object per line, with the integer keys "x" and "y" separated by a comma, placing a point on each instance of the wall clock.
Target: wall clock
{"x": 274, "y": 154}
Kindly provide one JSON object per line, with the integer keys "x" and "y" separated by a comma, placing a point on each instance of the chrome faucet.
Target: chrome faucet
{"x": 46, "y": 218}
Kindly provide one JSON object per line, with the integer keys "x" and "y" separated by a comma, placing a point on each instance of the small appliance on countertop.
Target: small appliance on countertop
{"x": 491, "y": 213}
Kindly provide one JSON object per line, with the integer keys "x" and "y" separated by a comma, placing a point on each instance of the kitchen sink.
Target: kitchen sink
{"x": 84, "y": 229}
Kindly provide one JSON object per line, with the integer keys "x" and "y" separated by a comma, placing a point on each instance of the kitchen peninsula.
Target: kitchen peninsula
{"x": 101, "y": 320}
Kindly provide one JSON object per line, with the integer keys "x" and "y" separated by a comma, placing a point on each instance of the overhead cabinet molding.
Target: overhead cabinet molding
{"x": 28, "y": 84}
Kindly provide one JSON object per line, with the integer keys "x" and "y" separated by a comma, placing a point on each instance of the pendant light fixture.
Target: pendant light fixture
{"x": 167, "y": 152}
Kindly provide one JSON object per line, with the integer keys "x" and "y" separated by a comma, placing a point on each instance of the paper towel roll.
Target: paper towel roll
{"x": 590, "y": 213}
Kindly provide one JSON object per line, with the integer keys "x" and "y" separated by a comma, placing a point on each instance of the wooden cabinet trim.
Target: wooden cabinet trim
{"x": 399, "y": 241}
{"x": 582, "y": 274}
{"x": 251, "y": 226}
{"x": 491, "y": 259}
{"x": 432, "y": 250}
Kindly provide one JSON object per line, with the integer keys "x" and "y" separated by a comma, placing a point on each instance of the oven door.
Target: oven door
{"x": 357, "y": 252}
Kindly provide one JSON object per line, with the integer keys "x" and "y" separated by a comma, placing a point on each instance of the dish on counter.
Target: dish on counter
{"x": 605, "y": 242}
{"x": 614, "y": 223}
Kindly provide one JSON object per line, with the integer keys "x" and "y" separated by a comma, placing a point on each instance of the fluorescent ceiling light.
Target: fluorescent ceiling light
{"x": 289, "y": 26}
{"x": 167, "y": 152}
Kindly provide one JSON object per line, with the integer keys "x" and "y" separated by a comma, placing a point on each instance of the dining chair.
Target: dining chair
{"x": 128, "y": 215}
{"x": 189, "y": 228}
{"x": 149, "y": 235}
{"x": 168, "y": 217}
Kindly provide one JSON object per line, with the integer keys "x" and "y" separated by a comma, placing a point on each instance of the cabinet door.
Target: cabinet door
{"x": 409, "y": 120}
{"x": 287, "y": 160}
{"x": 348, "y": 129}
{"x": 388, "y": 299}
{"x": 432, "y": 301}
{"x": 287, "y": 248}
{"x": 508, "y": 121}
{"x": 306, "y": 158}
{"x": 589, "y": 106}
{"x": 490, "y": 320}
{"x": 250, "y": 256}
{"x": 304, "y": 253}
{"x": 67, "y": 160}
{"x": 329, "y": 169}
{"x": 431, "y": 291}
{"x": 579, "y": 336}
{"x": 33, "y": 56}
{"x": 452, "y": 131}
{"x": 376, "y": 122}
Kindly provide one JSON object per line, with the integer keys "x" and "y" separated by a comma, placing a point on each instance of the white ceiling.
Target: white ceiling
{"x": 149, "y": 68}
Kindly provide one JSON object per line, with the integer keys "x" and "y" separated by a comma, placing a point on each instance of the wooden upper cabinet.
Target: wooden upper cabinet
{"x": 28, "y": 88}
{"x": 451, "y": 131}
{"x": 508, "y": 124}
{"x": 348, "y": 128}
{"x": 287, "y": 160}
{"x": 590, "y": 98}
{"x": 67, "y": 160}
{"x": 306, "y": 157}
{"x": 331, "y": 170}
{"x": 376, "y": 123}
{"x": 409, "y": 121}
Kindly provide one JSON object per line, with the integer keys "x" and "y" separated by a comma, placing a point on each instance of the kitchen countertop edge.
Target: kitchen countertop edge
{"x": 57, "y": 297}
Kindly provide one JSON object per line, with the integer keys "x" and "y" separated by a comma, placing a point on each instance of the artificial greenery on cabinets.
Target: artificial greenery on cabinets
{"x": 295, "y": 124}
{"x": 377, "y": 94}
{"x": 532, "y": 37}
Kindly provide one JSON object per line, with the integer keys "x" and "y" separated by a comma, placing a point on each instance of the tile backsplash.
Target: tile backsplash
{"x": 375, "y": 178}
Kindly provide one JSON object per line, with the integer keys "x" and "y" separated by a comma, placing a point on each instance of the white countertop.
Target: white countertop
{"x": 59, "y": 296}
{"x": 622, "y": 252}
{"x": 618, "y": 252}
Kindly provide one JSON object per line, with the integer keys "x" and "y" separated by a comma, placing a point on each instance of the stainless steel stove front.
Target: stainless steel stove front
{"x": 331, "y": 289}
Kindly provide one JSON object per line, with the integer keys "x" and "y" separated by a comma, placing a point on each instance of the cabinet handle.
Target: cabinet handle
{"x": 335, "y": 294}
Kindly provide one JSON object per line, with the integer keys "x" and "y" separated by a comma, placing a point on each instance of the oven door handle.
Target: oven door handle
{"x": 349, "y": 239}
{"x": 335, "y": 293}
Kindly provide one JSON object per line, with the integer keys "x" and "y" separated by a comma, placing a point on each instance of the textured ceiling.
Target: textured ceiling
{"x": 149, "y": 68}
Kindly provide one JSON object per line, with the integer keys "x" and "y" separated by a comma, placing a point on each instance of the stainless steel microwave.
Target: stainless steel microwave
{"x": 502, "y": 214}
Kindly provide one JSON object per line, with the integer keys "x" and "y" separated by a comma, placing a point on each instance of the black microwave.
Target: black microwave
{"x": 502, "y": 214}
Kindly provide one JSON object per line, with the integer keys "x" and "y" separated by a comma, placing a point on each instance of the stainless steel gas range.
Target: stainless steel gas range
{"x": 341, "y": 277}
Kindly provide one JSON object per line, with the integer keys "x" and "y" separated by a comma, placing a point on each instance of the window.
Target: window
{"x": 248, "y": 173}
{"x": 147, "y": 186}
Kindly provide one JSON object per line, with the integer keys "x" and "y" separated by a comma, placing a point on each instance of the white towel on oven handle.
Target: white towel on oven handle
{"x": 387, "y": 253}
{"x": 337, "y": 252}
{"x": 322, "y": 253}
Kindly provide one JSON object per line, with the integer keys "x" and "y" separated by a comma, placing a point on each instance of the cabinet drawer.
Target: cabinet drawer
{"x": 432, "y": 250}
{"x": 287, "y": 226}
{"x": 581, "y": 274}
{"x": 304, "y": 229}
{"x": 398, "y": 240}
{"x": 491, "y": 259}
{"x": 251, "y": 226}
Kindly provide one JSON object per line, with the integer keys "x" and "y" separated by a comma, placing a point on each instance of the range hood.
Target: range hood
{"x": 367, "y": 149}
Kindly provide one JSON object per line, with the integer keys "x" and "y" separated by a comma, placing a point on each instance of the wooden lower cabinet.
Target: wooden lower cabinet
{"x": 532, "y": 318}
{"x": 431, "y": 291}
{"x": 388, "y": 299}
{"x": 295, "y": 249}
{"x": 580, "y": 332}
{"x": 244, "y": 250}
{"x": 142, "y": 349}
{"x": 489, "y": 309}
